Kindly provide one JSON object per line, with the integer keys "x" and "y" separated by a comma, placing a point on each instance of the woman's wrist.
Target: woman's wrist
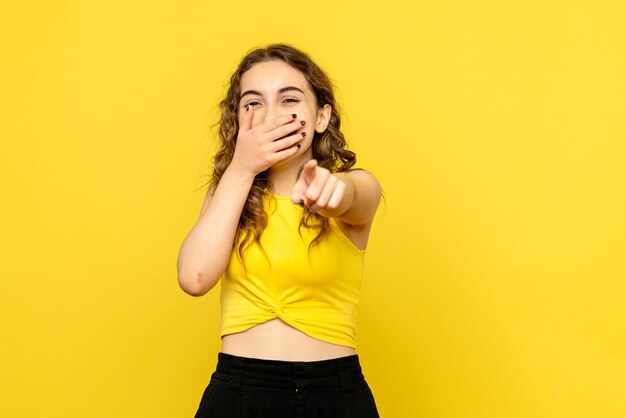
{"x": 238, "y": 172}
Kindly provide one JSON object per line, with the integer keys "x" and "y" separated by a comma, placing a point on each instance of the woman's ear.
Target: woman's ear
{"x": 323, "y": 118}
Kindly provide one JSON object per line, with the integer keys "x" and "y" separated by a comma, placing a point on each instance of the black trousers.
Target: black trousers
{"x": 243, "y": 387}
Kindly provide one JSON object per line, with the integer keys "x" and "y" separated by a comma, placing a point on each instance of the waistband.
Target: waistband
{"x": 236, "y": 371}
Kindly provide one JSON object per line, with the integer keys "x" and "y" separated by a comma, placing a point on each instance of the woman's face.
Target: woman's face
{"x": 275, "y": 88}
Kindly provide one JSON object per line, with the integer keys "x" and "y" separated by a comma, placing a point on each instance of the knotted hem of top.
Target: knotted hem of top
{"x": 289, "y": 321}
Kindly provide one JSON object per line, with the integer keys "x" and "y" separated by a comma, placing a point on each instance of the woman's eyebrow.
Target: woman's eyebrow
{"x": 284, "y": 89}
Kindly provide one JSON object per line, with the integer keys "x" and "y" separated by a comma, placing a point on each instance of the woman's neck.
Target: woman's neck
{"x": 283, "y": 176}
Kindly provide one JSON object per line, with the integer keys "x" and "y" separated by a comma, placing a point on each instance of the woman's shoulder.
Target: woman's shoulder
{"x": 363, "y": 174}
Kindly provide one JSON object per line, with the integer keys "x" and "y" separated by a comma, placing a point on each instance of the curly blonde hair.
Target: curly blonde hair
{"x": 328, "y": 147}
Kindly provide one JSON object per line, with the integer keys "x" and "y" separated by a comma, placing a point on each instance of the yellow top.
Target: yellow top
{"x": 320, "y": 297}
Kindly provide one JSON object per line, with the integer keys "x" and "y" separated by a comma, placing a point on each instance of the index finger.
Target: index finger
{"x": 278, "y": 121}
{"x": 308, "y": 171}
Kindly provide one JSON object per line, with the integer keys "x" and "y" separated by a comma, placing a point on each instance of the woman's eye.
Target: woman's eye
{"x": 251, "y": 103}
{"x": 290, "y": 100}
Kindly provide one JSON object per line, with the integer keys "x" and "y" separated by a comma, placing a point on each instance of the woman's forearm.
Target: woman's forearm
{"x": 205, "y": 252}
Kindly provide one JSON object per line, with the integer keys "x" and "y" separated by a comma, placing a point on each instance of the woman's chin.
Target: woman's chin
{"x": 288, "y": 162}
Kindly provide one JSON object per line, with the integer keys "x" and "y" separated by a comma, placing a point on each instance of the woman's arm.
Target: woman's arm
{"x": 205, "y": 252}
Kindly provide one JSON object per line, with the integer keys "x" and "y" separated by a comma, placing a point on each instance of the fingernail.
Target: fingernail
{"x": 298, "y": 146}
{"x": 301, "y": 202}
{"x": 303, "y": 133}
{"x": 247, "y": 108}
{"x": 294, "y": 115}
{"x": 302, "y": 122}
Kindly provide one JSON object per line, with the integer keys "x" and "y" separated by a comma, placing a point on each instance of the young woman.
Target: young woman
{"x": 284, "y": 226}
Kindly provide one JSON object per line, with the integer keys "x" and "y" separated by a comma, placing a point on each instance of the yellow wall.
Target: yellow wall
{"x": 495, "y": 278}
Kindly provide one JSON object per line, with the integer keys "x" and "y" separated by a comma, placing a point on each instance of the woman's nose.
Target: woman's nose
{"x": 268, "y": 114}
{"x": 270, "y": 111}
